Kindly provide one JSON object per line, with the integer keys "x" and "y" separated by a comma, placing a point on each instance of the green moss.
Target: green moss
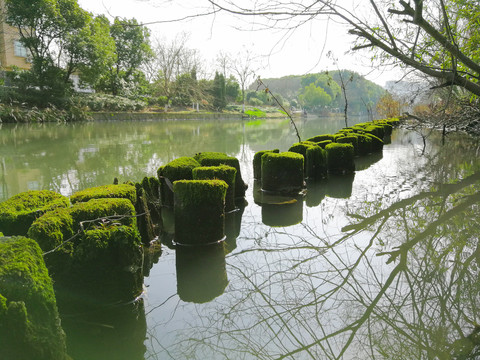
{"x": 100, "y": 208}
{"x": 283, "y": 172}
{"x": 199, "y": 211}
{"x": 376, "y": 130}
{"x": 340, "y": 158}
{"x": 257, "y": 163}
{"x": 18, "y": 212}
{"x": 107, "y": 264}
{"x": 219, "y": 158}
{"x": 125, "y": 191}
{"x": 178, "y": 169}
{"x": 29, "y": 320}
{"x": 350, "y": 140}
{"x": 377, "y": 143}
{"x": 364, "y": 144}
{"x": 221, "y": 172}
{"x": 56, "y": 227}
{"x": 316, "y": 162}
{"x": 324, "y": 143}
{"x": 52, "y": 229}
{"x": 323, "y": 137}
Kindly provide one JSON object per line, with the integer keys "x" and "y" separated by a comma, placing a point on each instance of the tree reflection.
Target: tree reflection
{"x": 399, "y": 282}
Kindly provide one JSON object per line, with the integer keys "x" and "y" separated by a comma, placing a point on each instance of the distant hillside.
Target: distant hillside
{"x": 362, "y": 94}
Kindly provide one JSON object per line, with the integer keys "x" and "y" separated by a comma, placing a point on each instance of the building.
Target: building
{"x": 12, "y": 51}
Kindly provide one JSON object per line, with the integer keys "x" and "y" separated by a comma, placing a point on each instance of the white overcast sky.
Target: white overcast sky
{"x": 302, "y": 52}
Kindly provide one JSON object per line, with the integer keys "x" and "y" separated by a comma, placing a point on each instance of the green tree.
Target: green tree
{"x": 218, "y": 92}
{"x": 438, "y": 38}
{"x": 232, "y": 89}
{"x": 47, "y": 29}
{"x": 93, "y": 50}
{"x": 314, "y": 97}
{"x": 132, "y": 49}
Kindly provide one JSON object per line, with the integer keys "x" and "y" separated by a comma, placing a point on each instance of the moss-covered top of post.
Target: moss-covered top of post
{"x": 220, "y": 172}
{"x": 180, "y": 168}
{"x": 211, "y": 156}
{"x": 126, "y": 191}
{"x": 33, "y": 200}
{"x": 197, "y": 191}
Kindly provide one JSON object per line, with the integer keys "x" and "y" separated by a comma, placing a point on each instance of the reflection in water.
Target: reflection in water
{"x": 399, "y": 282}
{"x": 96, "y": 332}
{"x": 384, "y": 267}
{"x": 201, "y": 272}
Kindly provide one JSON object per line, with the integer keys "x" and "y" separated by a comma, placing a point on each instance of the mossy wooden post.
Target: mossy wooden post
{"x": 315, "y": 163}
{"x": 199, "y": 211}
{"x": 219, "y": 158}
{"x": 221, "y": 172}
{"x": 178, "y": 169}
{"x": 350, "y": 139}
{"x": 29, "y": 320}
{"x": 19, "y": 212}
{"x": 282, "y": 172}
{"x": 201, "y": 272}
{"x": 257, "y": 163}
{"x": 88, "y": 253}
{"x": 340, "y": 158}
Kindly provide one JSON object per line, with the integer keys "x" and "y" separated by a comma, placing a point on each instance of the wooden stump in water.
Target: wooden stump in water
{"x": 257, "y": 163}
{"x": 199, "y": 211}
{"x": 221, "y": 172}
{"x": 178, "y": 169}
{"x": 283, "y": 172}
{"x": 340, "y": 158}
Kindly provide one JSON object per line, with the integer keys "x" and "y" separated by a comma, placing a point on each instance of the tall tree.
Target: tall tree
{"x": 47, "y": 28}
{"x": 435, "y": 37}
{"x": 132, "y": 49}
{"x": 219, "y": 100}
{"x": 244, "y": 69}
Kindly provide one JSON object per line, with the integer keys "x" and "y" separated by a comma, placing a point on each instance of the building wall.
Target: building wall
{"x": 10, "y": 55}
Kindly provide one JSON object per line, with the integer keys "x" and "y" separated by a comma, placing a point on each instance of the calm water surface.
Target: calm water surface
{"x": 380, "y": 265}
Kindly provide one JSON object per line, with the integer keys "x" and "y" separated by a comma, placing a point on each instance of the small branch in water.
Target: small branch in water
{"x": 267, "y": 90}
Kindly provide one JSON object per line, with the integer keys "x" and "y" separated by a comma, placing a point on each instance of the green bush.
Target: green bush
{"x": 19, "y": 212}
{"x": 105, "y": 102}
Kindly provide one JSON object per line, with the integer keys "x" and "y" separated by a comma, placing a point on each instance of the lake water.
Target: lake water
{"x": 380, "y": 265}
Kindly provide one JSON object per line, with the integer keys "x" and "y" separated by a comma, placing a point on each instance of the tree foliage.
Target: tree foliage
{"x": 438, "y": 38}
